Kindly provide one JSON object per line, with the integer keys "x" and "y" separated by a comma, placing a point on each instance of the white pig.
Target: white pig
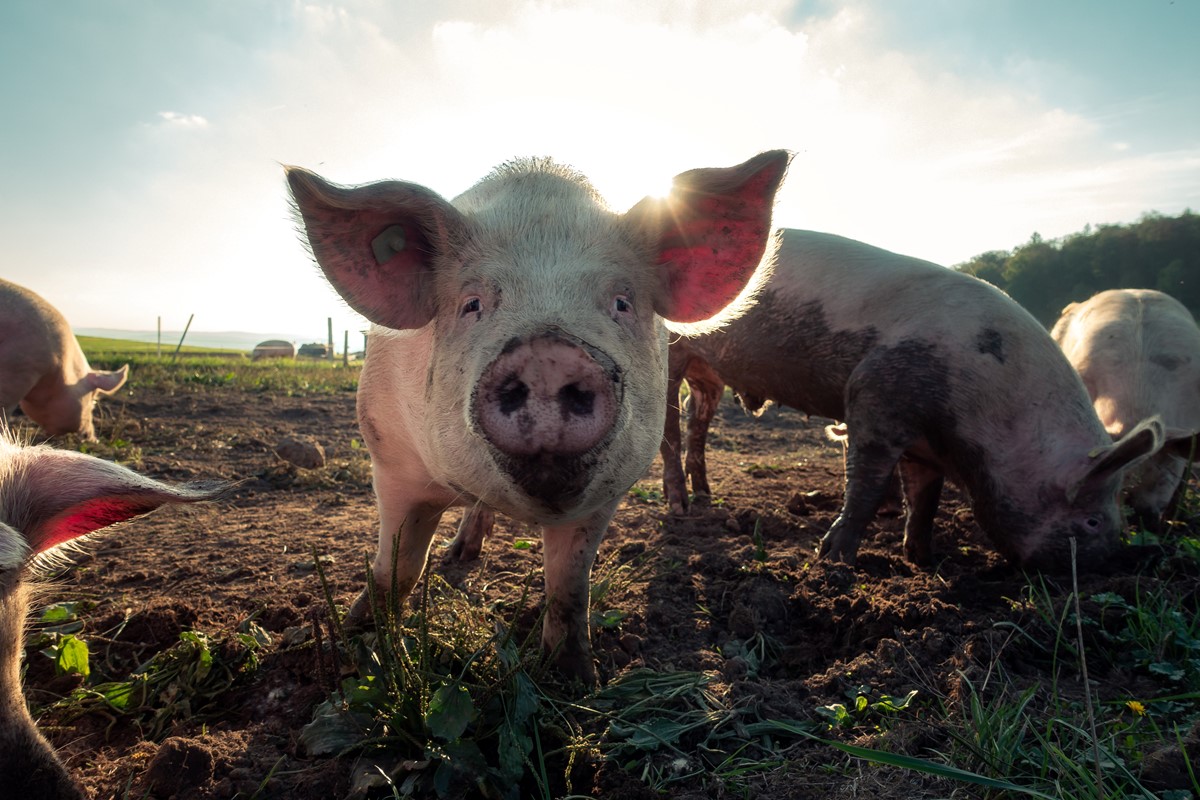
{"x": 1138, "y": 352}
{"x": 930, "y": 369}
{"x": 42, "y": 368}
{"x": 518, "y": 354}
{"x": 49, "y": 497}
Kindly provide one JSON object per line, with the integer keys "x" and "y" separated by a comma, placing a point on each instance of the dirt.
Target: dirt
{"x": 719, "y": 575}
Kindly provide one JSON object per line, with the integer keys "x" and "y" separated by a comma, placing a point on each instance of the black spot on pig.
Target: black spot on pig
{"x": 812, "y": 381}
{"x": 989, "y": 342}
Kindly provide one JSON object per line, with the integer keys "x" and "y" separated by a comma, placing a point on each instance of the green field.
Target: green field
{"x": 100, "y": 346}
{"x": 198, "y": 367}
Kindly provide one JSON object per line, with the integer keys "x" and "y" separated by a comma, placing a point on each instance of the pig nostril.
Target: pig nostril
{"x": 574, "y": 400}
{"x": 512, "y": 395}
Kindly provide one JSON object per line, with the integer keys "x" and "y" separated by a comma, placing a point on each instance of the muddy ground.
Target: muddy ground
{"x": 704, "y": 582}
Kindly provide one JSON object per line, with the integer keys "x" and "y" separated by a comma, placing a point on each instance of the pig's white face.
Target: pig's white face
{"x": 546, "y": 377}
{"x": 584, "y": 299}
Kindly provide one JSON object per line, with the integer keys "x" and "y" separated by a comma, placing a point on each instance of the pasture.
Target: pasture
{"x": 198, "y": 653}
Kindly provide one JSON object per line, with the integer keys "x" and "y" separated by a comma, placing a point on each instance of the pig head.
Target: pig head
{"x": 1138, "y": 352}
{"x": 518, "y": 356}
{"x": 42, "y": 368}
{"x": 49, "y": 497}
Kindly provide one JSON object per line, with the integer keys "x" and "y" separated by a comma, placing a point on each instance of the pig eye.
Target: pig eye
{"x": 1092, "y": 523}
{"x": 621, "y": 305}
{"x": 473, "y": 305}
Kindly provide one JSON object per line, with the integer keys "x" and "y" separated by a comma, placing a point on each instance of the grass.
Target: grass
{"x": 197, "y": 369}
{"x": 197, "y": 373}
{"x": 104, "y": 347}
{"x": 449, "y": 699}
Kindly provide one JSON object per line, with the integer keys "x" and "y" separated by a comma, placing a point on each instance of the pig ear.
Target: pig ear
{"x": 54, "y": 496}
{"x": 376, "y": 243}
{"x": 711, "y": 232}
{"x": 1104, "y": 463}
{"x": 108, "y": 382}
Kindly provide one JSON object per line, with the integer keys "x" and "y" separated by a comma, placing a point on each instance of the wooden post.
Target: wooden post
{"x": 184, "y": 336}
{"x": 346, "y": 350}
{"x": 330, "y": 321}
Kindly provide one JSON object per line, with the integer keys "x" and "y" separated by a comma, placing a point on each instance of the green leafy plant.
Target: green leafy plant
{"x": 864, "y": 709}
{"x": 182, "y": 682}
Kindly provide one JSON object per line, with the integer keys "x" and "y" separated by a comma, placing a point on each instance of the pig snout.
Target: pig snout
{"x": 544, "y": 403}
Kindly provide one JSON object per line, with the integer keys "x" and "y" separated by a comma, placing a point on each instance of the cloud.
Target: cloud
{"x": 893, "y": 147}
{"x": 176, "y": 120}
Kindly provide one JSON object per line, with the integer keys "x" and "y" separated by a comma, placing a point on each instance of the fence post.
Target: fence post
{"x": 184, "y": 336}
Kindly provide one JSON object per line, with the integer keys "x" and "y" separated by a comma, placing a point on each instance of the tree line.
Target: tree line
{"x": 1156, "y": 252}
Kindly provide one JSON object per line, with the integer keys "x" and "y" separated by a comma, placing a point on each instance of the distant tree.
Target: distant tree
{"x": 1156, "y": 252}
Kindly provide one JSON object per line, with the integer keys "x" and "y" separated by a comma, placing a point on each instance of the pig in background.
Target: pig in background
{"x": 518, "y": 354}
{"x": 51, "y": 497}
{"x": 933, "y": 371}
{"x": 42, "y": 368}
{"x": 1138, "y": 352}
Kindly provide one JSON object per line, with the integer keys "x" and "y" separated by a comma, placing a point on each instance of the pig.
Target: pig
{"x": 42, "y": 368}
{"x": 517, "y": 357}
{"x": 1138, "y": 352}
{"x": 933, "y": 371}
{"x": 48, "y": 498}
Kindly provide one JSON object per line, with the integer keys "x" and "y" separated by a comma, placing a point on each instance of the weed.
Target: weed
{"x": 648, "y": 495}
{"x": 182, "y": 682}
{"x": 863, "y": 710}
{"x": 436, "y": 701}
{"x": 756, "y": 470}
{"x": 760, "y": 545}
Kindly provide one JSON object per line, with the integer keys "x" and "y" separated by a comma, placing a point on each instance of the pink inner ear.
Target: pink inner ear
{"x": 713, "y": 242}
{"x": 389, "y": 293}
{"x": 88, "y": 516}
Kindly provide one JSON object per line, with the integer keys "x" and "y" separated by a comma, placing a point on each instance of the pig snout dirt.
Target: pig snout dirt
{"x": 543, "y": 404}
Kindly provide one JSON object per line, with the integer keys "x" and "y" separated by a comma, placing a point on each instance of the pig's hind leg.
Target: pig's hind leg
{"x": 868, "y": 470}
{"x": 922, "y": 484}
{"x": 477, "y": 524}
{"x": 879, "y": 429}
{"x": 674, "y": 482}
{"x": 706, "y": 388}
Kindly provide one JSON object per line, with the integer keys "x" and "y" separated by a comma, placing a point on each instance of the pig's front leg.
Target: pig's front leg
{"x": 569, "y": 553}
{"x": 405, "y": 532}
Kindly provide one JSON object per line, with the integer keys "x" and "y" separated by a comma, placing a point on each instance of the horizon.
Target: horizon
{"x": 144, "y": 178}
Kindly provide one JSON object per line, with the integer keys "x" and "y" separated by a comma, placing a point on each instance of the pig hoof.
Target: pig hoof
{"x": 578, "y": 670}
{"x": 360, "y": 615}
{"x": 918, "y": 556}
{"x": 461, "y": 551}
{"x": 837, "y": 552}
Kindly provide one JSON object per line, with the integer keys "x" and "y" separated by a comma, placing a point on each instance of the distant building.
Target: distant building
{"x": 315, "y": 350}
{"x": 273, "y": 348}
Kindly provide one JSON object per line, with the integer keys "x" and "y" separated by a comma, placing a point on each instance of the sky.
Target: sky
{"x": 141, "y": 142}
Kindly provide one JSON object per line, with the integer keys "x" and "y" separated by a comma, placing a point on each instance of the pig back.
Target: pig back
{"x": 1138, "y": 352}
